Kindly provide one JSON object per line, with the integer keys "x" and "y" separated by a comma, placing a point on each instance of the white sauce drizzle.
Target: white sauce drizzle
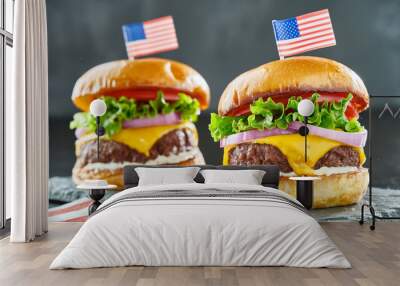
{"x": 326, "y": 171}
{"x": 171, "y": 159}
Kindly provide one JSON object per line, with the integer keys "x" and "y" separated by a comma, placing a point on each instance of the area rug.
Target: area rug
{"x": 76, "y": 211}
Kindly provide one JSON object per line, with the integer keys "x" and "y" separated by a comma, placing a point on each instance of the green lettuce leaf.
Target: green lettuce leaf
{"x": 83, "y": 120}
{"x": 122, "y": 109}
{"x": 266, "y": 114}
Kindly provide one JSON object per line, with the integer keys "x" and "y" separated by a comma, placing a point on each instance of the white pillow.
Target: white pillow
{"x": 163, "y": 176}
{"x": 248, "y": 177}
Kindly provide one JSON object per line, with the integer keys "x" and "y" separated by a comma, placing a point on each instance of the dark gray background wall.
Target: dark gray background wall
{"x": 221, "y": 39}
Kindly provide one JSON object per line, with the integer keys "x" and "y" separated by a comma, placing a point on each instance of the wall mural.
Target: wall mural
{"x": 165, "y": 109}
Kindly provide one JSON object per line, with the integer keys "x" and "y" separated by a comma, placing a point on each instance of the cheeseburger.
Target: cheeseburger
{"x": 151, "y": 106}
{"x": 258, "y": 122}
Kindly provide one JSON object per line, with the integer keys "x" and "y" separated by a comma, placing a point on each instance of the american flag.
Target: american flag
{"x": 304, "y": 33}
{"x": 150, "y": 37}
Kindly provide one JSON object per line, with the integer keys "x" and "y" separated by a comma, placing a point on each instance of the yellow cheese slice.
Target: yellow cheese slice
{"x": 141, "y": 139}
{"x": 292, "y": 146}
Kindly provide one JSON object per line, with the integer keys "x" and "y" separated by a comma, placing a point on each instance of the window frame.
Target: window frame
{"x": 6, "y": 39}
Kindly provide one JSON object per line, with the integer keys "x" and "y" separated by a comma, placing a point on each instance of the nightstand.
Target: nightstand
{"x": 97, "y": 190}
{"x": 304, "y": 190}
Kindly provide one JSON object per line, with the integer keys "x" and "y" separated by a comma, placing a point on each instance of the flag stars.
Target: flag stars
{"x": 286, "y": 29}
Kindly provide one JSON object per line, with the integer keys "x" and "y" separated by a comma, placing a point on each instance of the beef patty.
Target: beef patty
{"x": 342, "y": 156}
{"x": 258, "y": 154}
{"x": 265, "y": 154}
{"x": 173, "y": 142}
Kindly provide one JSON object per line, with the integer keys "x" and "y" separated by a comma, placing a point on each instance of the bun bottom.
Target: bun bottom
{"x": 115, "y": 176}
{"x": 334, "y": 190}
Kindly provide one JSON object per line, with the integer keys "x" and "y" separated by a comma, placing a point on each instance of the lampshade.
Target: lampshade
{"x": 98, "y": 107}
{"x": 306, "y": 107}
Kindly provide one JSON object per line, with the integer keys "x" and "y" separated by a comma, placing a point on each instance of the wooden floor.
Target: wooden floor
{"x": 375, "y": 257}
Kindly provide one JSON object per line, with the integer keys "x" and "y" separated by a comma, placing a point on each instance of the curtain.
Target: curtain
{"x": 27, "y": 123}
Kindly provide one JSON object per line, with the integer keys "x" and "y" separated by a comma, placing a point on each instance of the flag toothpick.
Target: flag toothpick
{"x": 303, "y": 33}
{"x": 150, "y": 37}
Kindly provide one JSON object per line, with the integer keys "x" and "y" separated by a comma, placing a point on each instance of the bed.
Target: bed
{"x": 201, "y": 224}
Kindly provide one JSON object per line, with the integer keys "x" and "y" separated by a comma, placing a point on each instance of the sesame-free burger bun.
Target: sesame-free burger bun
{"x": 114, "y": 176}
{"x": 293, "y": 76}
{"x": 113, "y": 78}
{"x": 333, "y": 190}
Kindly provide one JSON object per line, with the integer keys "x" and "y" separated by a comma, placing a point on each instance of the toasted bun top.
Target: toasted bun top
{"x": 294, "y": 76}
{"x": 117, "y": 76}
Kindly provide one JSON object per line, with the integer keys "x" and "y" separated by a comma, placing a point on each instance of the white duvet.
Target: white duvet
{"x": 207, "y": 230}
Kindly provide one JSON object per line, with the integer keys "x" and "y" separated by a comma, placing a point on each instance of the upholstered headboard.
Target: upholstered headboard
{"x": 270, "y": 179}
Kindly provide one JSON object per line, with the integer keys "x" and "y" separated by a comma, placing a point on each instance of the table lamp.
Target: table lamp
{"x": 97, "y": 188}
{"x": 305, "y": 109}
{"x": 97, "y": 109}
{"x": 304, "y": 184}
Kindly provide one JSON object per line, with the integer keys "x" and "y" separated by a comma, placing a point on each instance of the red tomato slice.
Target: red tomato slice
{"x": 146, "y": 94}
{"x": 242, "y": 110}
{"x": 350, "y": 111}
